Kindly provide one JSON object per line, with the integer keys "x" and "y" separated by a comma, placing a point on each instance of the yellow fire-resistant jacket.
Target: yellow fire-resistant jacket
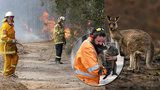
{"x": 58, "y": 34}
{"x": 86, "y": 64}
{"x": 7, "y": 34}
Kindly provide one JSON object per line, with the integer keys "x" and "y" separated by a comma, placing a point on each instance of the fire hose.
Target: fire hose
{"x": 52, "y": 50}
{"x": 17, "y": 43}
{"x": 22, "y": 49}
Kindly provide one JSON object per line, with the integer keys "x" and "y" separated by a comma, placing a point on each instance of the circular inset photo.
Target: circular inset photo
{"x": 95, "y": 61}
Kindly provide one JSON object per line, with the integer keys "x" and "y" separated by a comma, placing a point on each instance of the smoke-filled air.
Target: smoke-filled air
{"x": 33, "y": 23}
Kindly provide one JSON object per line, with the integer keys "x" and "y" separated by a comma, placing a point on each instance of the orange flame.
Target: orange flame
{"x": 48, "y": 23}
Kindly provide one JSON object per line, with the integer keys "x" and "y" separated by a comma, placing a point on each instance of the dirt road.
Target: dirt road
{"x": 38, "y": 73}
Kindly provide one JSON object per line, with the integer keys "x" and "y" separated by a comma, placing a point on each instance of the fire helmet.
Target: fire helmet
{"x": 99, "y": 29}
{"x": 8, "y": 14}
{"x": 61, "y": 18}
{"x": 98, "y": 32}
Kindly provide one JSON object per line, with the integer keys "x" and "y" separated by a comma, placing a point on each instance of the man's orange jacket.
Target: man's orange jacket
{"x": 86, "y": 64}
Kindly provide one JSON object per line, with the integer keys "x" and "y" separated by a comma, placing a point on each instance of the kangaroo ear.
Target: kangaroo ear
{"x": 117, "y": 18}
{"x": 108, "y": 18}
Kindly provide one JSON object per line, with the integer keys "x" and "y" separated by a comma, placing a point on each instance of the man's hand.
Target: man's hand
{"x": 108, "y": 57}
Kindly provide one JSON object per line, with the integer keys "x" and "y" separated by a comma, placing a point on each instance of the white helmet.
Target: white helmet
{"x": 61, "y": 18}
{"x": 9, "y": 13}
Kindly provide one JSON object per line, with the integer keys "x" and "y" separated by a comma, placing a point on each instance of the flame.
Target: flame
{"x": 48, "y": 24}
{"x": 44, "y": 17}
{"x": 67, "y": 32}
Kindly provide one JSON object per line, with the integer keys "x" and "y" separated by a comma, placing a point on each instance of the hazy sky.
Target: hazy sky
{"x": 25, "y": 11}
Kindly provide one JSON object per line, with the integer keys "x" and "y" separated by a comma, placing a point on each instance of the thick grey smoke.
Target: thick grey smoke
{"x": 28, "y": 26}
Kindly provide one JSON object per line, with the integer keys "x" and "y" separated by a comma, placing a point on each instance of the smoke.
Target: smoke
{"x": 27, "y": 13}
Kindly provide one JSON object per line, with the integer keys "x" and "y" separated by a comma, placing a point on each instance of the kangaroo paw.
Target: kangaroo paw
{"x": 130, "y": 69}
{"x": 151, "y": 67}
{"x": 136, "y": 71}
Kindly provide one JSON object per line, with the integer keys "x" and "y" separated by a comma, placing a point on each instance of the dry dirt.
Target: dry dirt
{"x": 137, "y": 80}
{"x": 37, "y": 72}
{"x": 11, "y": 84}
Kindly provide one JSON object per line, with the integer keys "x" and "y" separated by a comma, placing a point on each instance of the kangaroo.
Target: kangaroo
{"x": 134, "y": 42}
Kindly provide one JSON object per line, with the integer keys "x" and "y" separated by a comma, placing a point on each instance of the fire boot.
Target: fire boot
{"x": 58, "y": 61}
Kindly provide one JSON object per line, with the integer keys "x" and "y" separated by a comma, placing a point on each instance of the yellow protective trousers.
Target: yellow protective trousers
{"x": 10, "y": 63}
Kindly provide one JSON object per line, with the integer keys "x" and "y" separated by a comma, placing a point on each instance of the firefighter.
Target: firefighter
{"x": 86, "y": 64}
{"x": 8, "y": 47}
{"x": 59, "y": 39}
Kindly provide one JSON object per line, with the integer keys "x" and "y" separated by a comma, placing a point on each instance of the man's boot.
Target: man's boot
{"x": 58, "y": 61}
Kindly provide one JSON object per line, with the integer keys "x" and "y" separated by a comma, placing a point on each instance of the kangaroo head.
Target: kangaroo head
{"x": 112, "y": 23}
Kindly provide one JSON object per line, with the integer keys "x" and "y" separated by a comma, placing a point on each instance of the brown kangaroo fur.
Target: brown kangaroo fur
{"x": 133, "y": 42}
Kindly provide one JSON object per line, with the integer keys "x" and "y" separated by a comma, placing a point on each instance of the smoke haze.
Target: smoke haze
{"x": 27, "y": 18}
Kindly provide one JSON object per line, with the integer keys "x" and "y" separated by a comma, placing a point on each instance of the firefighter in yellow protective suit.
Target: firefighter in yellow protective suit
{"x": 59, "y": 39}
{"x": 86, "y": 61}
{"x": 8, "y": 47}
